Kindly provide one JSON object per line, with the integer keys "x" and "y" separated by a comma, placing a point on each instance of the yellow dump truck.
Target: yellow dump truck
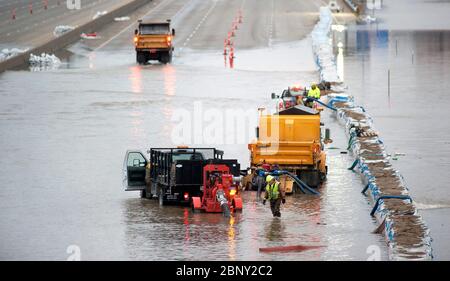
{"x": 291, "y": 140}
{"x": 154, "y": 41}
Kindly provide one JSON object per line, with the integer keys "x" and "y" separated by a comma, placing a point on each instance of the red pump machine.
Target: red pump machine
{"x": 220, "y": 191}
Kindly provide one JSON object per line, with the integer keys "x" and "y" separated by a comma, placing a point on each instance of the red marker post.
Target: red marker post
{"x": 45, "y": 4}
{"x": 13, "y": 14}
{"x": 225, "y": 43}
{"x": 30, "y": 7}
{"x": 231, "y": 57}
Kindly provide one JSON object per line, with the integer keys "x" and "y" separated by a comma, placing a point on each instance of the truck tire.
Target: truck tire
{"x": 165, "y": 58}
{"x": 141, "y": 57}
{"x": 143, "y": 193}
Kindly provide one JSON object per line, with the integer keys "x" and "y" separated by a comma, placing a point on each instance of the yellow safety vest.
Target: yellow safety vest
{"x": 273, "y": 191}
{"x": 314, "y": 93}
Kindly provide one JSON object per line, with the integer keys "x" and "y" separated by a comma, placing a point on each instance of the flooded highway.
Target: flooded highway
{"x": 409, "y": 113}
{"x": 64, "y": 133}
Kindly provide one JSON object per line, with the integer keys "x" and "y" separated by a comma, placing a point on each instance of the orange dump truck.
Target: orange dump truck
{"x": 153, "y": 41}
{"x": 291, "y": 140}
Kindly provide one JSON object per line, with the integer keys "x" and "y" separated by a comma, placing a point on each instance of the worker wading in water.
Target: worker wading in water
{"x": 275, "y": 195}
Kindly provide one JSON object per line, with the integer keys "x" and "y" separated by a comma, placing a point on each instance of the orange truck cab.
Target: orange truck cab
{"x": 153, "y": 41}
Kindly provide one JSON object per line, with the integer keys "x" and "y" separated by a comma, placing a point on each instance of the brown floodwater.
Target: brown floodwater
{"x": 64, "y": 135}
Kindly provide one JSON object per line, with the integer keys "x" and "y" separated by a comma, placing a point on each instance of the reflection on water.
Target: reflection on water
{"x": 135, "y": 78}
{"x": 169, "y": 74}
{"x": 340, "y": 61}
{"x": 231, "y": 240}
{"x": 169, "y": 80}
{"x": 275, "y": 230}
{"x": 401, "y": 77}
{"x": 137, "y": 120}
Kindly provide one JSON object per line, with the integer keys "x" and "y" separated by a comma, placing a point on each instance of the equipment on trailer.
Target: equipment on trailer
{"x": 220, "y": 191}
{"x": 176, "y": 175}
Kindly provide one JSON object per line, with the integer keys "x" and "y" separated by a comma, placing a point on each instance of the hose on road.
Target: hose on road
{"x": 302, "y": 185}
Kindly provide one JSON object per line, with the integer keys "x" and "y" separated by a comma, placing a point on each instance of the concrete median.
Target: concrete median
{"x": 71, "y": 37}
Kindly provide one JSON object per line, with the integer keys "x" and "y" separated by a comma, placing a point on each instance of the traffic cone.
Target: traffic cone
{"x": 231, "y": 58}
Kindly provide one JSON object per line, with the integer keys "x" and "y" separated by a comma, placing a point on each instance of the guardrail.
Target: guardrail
{"x": 71, "y": 36}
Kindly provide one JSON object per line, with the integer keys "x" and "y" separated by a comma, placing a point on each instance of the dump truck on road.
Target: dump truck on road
{"x": 153, "y": 41}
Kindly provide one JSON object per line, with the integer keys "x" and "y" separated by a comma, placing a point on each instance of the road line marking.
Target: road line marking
{"x": 199, "y": 24}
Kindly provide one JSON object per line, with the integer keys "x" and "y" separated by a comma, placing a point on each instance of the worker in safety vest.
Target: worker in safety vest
{"x": 275, "y": 195}
{"x": 313, "y": 93}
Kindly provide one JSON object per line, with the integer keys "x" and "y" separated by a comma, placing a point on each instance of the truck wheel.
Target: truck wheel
{"x": 141, "y": 57}
{"x": 143, "y": 193}
{"x": 165, "y": 58}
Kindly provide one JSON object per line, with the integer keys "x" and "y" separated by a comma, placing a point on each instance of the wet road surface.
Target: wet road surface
{"x": 30, "y": 30}
{"x": 65, "y": 132}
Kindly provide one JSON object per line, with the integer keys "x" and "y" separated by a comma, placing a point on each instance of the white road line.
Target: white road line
{"x": 199, "y": 25}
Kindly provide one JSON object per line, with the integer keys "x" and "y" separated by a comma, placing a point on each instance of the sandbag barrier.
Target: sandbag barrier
{"x": 405, "y": 232}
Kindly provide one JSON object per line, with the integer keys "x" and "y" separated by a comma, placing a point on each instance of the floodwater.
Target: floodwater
{"x": 64, "y": 135}
{"x": 399, "y": 70}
